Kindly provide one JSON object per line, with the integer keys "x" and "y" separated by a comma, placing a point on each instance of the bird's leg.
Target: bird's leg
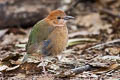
{"x": 43, "y": 65}
{"x": 60, "y": 57}
{"x": 25, "y": 57}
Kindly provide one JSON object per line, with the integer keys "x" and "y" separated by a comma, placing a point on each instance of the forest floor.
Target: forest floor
{"x": 93, "y": 51}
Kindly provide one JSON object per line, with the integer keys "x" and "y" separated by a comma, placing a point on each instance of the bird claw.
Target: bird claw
{"x": 43, "y": 66}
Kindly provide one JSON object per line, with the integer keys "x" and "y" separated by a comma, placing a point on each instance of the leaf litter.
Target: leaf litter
{"x": 93, "y": 50}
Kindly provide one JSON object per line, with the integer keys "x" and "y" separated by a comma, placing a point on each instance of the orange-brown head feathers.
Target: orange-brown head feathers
{"x": 56, "y": 13}
{"x": 57, "y": 18}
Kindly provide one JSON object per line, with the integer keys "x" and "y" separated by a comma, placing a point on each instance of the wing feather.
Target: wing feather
{"x": 39, "y": 33}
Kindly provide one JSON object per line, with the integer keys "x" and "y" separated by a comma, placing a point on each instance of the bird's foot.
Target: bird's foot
{"x": 45, "y": 73}
{"x": 42, "y": 64}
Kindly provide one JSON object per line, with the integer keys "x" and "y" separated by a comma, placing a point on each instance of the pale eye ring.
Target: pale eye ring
{"x": 58, "y": 17}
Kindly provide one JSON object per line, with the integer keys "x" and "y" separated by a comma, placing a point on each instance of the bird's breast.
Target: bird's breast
{"x": 59, "y": 39}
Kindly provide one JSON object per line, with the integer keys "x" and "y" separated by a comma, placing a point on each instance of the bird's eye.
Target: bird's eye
{"x": 58, "y": 17}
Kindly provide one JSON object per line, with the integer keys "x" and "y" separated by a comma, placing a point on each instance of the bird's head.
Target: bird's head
{"x": 57, "y": 18}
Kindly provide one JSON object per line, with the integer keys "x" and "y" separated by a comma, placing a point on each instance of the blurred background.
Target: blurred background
{"x": 96, "y": 22}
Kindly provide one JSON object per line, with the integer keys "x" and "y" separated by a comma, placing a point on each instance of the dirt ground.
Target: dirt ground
{"x": 93, "y": 51}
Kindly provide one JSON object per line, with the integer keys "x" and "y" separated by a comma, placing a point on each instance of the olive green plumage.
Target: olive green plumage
{"x": 38, "y": 34}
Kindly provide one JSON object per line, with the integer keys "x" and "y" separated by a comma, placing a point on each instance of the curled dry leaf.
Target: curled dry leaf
{"x": 12, "y": 68}
{"x": 76, "y": 41}
{"x": 3, "y": 67}
{"x": 106, "y": 69}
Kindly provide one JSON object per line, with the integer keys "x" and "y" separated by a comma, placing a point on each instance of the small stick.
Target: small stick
{"x": 102, "y": 45}
{"x": 110, "y": 13}
{"x": 81, "y": 69}
{"x": 75, "y": 71}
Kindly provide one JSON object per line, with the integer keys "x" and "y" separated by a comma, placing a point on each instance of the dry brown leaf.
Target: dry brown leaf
{"x": 106, "y": 69}
{"x": 113, "y": 50}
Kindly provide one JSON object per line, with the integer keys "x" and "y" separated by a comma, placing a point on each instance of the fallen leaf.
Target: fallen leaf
{"x": 3, "y": 67}
{"x": 76, "y": 41}
{"x": 106, "y": 69}
{"x": 12, "y": 68}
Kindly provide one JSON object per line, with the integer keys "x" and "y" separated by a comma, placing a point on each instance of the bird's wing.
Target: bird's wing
{"x": 38, "y": 34}
{"x": 46, "y": 46}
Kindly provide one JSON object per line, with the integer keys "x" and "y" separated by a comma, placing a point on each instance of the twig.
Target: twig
{"x": 75, "y": 71}
{"x": 111, "y": 13}
{"x": 103, "y": 45}
{"x": 81, "y": 69}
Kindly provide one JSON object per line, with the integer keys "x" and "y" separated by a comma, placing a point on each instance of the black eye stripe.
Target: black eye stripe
{"x": 58, "y": 17}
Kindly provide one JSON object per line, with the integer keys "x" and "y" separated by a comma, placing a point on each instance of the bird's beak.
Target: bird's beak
{"x": 68, "y": 17}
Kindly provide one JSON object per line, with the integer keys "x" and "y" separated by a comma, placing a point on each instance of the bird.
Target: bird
{"x": 48, "y": 37}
